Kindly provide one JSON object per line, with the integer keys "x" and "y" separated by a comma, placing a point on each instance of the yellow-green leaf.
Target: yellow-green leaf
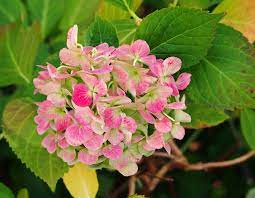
{"x": 240, "y": 14}
{"x": 81, "y": 181}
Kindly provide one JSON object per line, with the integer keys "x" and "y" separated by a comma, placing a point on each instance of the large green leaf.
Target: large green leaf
{"x": 80, "y": 12}
{"x": 10, "y": 11}
{"x": 181, "y": 32}
{"x": 226, "y": 77}
{"x": 203, "y": 116}
{"x": 5, "y": 192}
{"x": 126, "y": 30}
{"x": 101, "y": 31}
{"x": 198, "y": 3}
{"x": 18, "y": 49}
{"x": 248, "y": 126}
{"x": 123, "y": 4}
{"x": 47, "y": 12}
{"x": 20, "y": 132}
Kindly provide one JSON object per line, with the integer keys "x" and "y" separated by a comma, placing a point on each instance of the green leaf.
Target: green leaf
{"x": 20, "y": 132}
{"x": 181, "y": 32}
{"x": 81, "y": 181}
{"x": 225, "y": 79}
{"x": 5, "y": 192}
{"x": 101, "y": 31}
{"x": 80, "y": 12}
{"x": 248, "y": 126}
{"x": 203, "y": 116}
{"x": 136, "y": 196}
{"x": 126, "y": 30}
{"x": 47, "y": 12}
{"x": 10, "y": 11}
{"x": 18, "y": 49}
{"x": 251, "y": 193}
{"x": 23, "y": 193}
{"x": 198, "y": 3}
{"x": 123, "y": 4}
{"x": 110, "y": 11}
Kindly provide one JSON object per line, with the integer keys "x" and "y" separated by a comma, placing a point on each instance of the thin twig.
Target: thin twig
{"x": 163, "y": 154}
{"x": 131, "y": 185}
{"x": 205, "y": 166}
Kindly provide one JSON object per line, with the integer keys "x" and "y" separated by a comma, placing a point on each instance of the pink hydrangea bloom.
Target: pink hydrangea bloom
{"x": 101, "y": 101}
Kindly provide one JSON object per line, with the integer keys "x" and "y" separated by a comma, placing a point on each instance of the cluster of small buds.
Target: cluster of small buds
{"x": 107, "y": 106}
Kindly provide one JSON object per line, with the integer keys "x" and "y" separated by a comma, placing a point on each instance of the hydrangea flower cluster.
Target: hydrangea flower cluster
{"x": 107, "y": 106}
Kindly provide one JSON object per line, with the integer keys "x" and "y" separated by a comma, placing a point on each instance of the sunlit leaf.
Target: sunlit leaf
{"x": 5, "y": 192}
{"x": 101, "y": 31}
{"x": 47, "y": 12}
{"x": 240, "y": 14}
{"x": 81, "y": 181}
{"x": 23, "y": 193}
{"x": 225, "y": 79}
{"x": 181, "y": 32}
{"x": 251, "y": 193}
{"x": 20, "y": 132}
{"x": 18, "y": 49}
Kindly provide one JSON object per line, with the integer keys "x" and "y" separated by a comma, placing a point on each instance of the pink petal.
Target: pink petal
{"x": 42, "y": 124}
{"x": 123, "y": 52}
{"x": 86, "y": 158}
{"x": 140, "y": 48}
{"x": 67, "y": 155}
{"x": 100, "y": 88}
{"x": 130, "y": 169}
{"x": 57, "y": 99}
{"x": 112, "y": 120}
{"x": 183, "y": 81}
{"x": 77, "y": 135}
{"x": 147, "y": 116}
{"x": 156, "y": 140}
{"x": 82, "y": 95}
{"x": 164, "y": 125}
{"x": 178, "y": 132}
{"x": 181, "y": 116}
{"x": 167, "y": 148}
{"x": 95, "y": 142}
{"x": 176, "y": 105}
{"x": 103, "y": 70}
{"x": 49, "y": 143}
{"x": 72, "y": 37}
{"x": 129, "y": 124}
{"x": 171, "y": 65}
{"x": 62, "y": 122}
{"x": 112, "y": 151}
{"x": 157, "y": 105}
{"x": 156, "y": 69}
{"x": 62, "y": 143}
{"x": 114, "y": 136}
{"x": 73, "y": 58}
{"x": 149, "y": 60}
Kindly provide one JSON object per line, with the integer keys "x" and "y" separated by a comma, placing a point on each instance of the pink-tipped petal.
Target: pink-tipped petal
{"x": 49, "y": 143}
{"x": 57, "y": 99}
{"x": 140, "y": 48}
{"x": 67, "y": 155}
{"x": 171, "y": 65}
{"x": 129, "y": 124}
{"x": 176, "y": 105}
{"x": 156, "y": 140}
{"x": 178, "y": 132}
{"x": 112, "y": 151}
{"x": 112, "y": 120}
{"x": 157, "y": 105}
{"x": 82, "y": 95}
{"x": 147, "y": 116}
{"x": 62, "y": 122}
{"x": 164, "y": 125}
{"x": 42, "y": 124}
{"x": 94, "y": 143}
{"x": 183, "y": 81}
{"x": 86, "y": 158}
{"x": 77, "y": 135}
{"x": 72, "y": 34}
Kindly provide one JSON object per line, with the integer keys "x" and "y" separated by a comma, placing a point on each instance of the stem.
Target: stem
{"x": 131, "y": 185}
{"x": 137, "y": 19}
{"x": 205, "y": 166}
